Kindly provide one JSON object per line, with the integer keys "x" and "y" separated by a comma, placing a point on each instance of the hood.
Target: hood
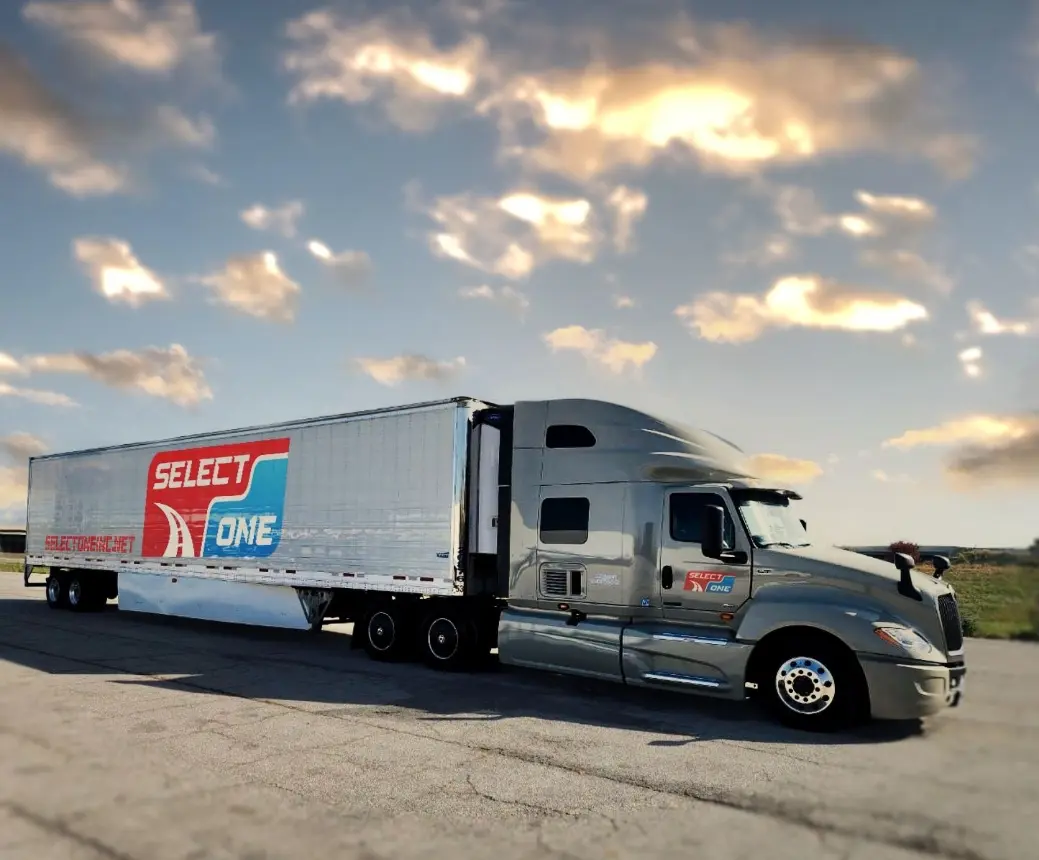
{"x": 812, "y": 558}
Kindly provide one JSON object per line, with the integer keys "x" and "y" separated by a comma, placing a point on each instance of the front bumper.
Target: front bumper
{"x": 908, "y": 691}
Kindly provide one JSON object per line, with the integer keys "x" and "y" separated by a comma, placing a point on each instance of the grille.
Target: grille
{"x": 554, "y": 582}
{"x": 952, "y": 627}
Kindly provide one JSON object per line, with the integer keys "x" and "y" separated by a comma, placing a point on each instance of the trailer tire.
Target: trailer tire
{"x": 84, "y": 595}
{"x": 384, "y": 632}
{"x": 814, "y": 685}
{"x": 57, "y": 592}
{"x": 447, "y": 640}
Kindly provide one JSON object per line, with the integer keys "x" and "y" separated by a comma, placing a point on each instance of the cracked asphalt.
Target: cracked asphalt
{"x": 127, "y": 737}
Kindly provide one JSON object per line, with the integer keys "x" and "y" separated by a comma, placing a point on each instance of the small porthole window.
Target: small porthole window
{"x": 569, "y": 436}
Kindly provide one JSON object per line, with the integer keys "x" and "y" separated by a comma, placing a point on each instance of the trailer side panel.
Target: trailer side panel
{"x": 371, "y": 501}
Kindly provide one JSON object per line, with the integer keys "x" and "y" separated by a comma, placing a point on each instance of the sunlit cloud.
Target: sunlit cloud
{"x": 254, "y": 284}
{"x": 512, "y": 235}
{"x": 410, "y": 367}
{"x": 612, "y": 354}
{"x": 986, "y": 449}
{"x": 984, "y": 322}
{"x": 777, "y": 467}
{"x": 970, "y": 361}
{"x": 280, "y": 219}
{"x": 170, "y": 374}
{"x": 797, "y": 301}
{"x": 506, "y": 296}
{"x": 628, "y": 205}
{"x": 116, "y": 272}
{"x": 154, "y": 38}
{"x": 350, "y": 268}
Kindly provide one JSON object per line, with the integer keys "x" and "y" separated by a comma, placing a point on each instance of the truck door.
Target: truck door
{"x": 692, "y": 586}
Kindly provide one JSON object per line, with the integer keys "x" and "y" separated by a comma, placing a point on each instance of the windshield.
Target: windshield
{"x": 770, "y": 520}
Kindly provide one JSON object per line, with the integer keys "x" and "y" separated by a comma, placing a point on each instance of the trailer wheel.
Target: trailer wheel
{"x": 447, "y": 640}
{"x": 57, "y": 592}
{"x": 384, "y": 633}
{"x": 84, "y": 595}
{"x": 814, "y": 686}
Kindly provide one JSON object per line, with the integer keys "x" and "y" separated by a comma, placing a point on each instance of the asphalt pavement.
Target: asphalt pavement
{"x": 130, "y": 737}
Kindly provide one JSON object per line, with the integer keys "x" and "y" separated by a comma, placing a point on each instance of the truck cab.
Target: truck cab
{"x": 644, "y": 552}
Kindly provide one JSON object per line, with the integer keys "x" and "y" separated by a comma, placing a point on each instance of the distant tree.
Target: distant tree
{"x": 1034, "y": 548}
{"x": 907, "y": 547}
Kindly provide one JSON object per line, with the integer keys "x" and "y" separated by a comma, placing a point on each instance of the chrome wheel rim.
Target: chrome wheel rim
{"x": 805, "y": 686}
{"x": 381, "y": 631}
{"x": 53, "y": 590}
{"x": 75, "y": 592}
{"x": 443, "y": 639}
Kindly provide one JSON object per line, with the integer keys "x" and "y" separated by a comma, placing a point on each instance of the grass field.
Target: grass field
{"x": 997, "y": 601}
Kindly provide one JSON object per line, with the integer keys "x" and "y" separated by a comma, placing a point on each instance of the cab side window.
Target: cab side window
{"x": 686, "y": 517}
{"x": 564, "y": 521}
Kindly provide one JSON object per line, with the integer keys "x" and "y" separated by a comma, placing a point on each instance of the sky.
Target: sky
{"x": 809, "y": 227}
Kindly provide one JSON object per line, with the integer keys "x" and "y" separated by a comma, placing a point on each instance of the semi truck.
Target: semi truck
{"x": 575, "y": 536}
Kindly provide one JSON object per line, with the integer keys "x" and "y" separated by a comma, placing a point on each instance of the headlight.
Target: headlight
{"x": 905, "y": 638}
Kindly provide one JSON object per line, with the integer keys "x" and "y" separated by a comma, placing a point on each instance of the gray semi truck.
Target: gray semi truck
{"x": 575, "y": 536}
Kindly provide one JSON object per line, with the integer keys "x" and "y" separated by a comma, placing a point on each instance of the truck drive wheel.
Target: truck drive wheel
{"x": 814, "y": 686}
{"x": 447, "y": 640}
{"x": 384, "y": 632}
{"x": 57, "y": 593}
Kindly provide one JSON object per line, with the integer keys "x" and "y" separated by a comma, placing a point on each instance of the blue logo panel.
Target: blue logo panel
{"x": 250, "y": 527}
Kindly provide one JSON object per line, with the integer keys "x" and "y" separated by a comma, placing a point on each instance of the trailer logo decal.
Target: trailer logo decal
{"x": 223, "y": 501}
{"x": 709, "y": 581}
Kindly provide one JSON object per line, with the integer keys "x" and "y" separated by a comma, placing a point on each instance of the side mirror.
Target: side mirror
{"x": 906, "y": 587}
{"x": 804, "y": 525}
{"x": 941, "y": 564}
{"x": 713, "y": 543}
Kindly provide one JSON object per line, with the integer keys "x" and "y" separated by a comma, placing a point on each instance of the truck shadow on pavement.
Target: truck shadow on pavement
{"x": 321, "y": 674}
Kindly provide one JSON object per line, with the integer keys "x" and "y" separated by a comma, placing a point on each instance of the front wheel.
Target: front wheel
{"x": 815, "y": 687}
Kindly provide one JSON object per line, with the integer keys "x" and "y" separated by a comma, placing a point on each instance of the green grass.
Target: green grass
{"x": 997, "y": 601}
{"x": 1001, "y": 601}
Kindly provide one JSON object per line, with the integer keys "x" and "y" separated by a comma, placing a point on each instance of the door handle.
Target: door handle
{"x": 667, "y": 577}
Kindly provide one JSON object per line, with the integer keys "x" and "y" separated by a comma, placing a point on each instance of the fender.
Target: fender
{"x": 849, "y": 616}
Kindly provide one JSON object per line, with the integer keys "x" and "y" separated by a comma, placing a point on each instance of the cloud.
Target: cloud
{"x": 984, "y": 322}
{"x": 410, "y": 367}
{"x": 116, "y": 273}
{"x": 351, "y": 268}
{"x": 628, "y": 205}
{"x": 512, "y": 235}
{"x": 281, "y": 219}
{"x": 36, "y": 395}
{"x": 970, "y": 360}
{"x": 737, "y": 101}
{"x": 333, "y": 57}
{"x": 801, "y": 213}
{"x": 897, "y": 207}
{"x": 14, "y": 480}
{"x": 506, "y": 296}
{"x": 762, "y": 252}
{"x": 45, "y": 132}
{"x": 22, "y": 446}
{"x": 152, "y": 39}
{"x": 170, "y": 374}
{"x": 623, "y": 302}
{"x": 887, "y": 478}
{"x": 172, "y": 124}
{"x": 987, "y": 449}
{"x": 802, "y": 301}
{"x": 254, "y": 284}
{"x": 205, "y": 175}
{"x": 614, "y": 355}
{"x": 776, "y": 467}
{"x": 909, "y": 266}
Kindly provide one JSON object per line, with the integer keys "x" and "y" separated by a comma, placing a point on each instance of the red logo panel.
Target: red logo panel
{"x": 182, "y": 486}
